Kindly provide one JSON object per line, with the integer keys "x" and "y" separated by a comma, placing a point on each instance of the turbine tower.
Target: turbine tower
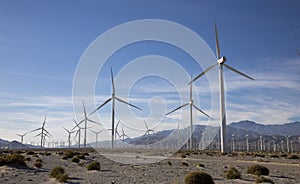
{"x": 85, "y": 120}
{"x": 221, "y": 62}
{"x": 192, "y": 105}
{"x": 44, "y": 132}
{"x": 113, "y": 98}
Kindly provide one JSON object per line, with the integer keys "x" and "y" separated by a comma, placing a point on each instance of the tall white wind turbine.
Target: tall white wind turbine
{"x": 78, "y": 133}
{"x": 44, "y": 132}
{"x": 221, "y": 62}
{"x": 113, "y": 98}
{"x": 86, "y": 120}
{"x": 191, "y": 105}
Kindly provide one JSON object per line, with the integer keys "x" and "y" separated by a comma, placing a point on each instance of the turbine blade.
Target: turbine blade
{"x": 94, "y": 122}
{"x": 47, "y": 132}
{"x": 108, "y": 100}
{"x": 36, "y": 129}
{"x": 205, "y": 71}
{"x": 191, "y": 89}
{"x": 201, "y": 111}
{"x": 66, "y": 130}
{"x": 120, "y": 100}
{"x": 84, "y": 111}
{"x": 217, "y": 42}
{"x": 112, "y": 81}
{"x": 238, "y": 72}
{"x": 146, "y": 125}
{"x": 93, "y": 131}
{"x": 45, "y": 120}
{"x": 177, "y": 108}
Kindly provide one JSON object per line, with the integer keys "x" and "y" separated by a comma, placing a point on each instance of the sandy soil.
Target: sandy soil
{"x": 167, "y": 171}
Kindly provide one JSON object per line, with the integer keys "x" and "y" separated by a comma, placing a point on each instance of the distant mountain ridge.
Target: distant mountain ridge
{"x": 238, "y": 129}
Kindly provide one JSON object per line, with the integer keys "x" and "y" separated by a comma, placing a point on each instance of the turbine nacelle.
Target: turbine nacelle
{"x": 222, "y": 60}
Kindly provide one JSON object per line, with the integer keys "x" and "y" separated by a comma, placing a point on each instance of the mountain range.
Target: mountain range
{"x": 237, "y": 129}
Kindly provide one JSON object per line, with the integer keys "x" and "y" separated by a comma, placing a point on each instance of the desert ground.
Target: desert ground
{"x": 172, "y": 170}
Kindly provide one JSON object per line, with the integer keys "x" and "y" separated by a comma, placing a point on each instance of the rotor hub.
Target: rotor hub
{"x": 222, "y": 60}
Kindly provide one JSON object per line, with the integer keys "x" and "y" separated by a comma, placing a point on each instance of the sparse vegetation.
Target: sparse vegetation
{"x": 184, "y": 164}
{"x": 69, "y": 154}
{"x": 169, "y": 163}
{"x": 94, "y": 166}
{"x": 198, "y": 177}
{"x": 30, "y": 153}
{"x": 14, "y": 159}
{"x": 295, "y": 157}
{"x": 38, "y": 160}
{"x": 59, "y": 174}
{"x": 200, "y": 165}
{"x": 38, "y": 164}
{"x": 232, "y": 173}
{"x": 75, "y": 159}
{"x": 261, "y": 179}
{"x": 258, "y": 170}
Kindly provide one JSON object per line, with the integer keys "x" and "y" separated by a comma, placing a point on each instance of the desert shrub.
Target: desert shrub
{"x": 274, "y": 156}
{"x": 198, "y": 177}
{"x": 293, "y": 157}
{"x": 75, "y": 159}
{"x": 86, "y": 154}
{"x": 35, "y": 155}
{"x": 200, "y": 165}
{"x": 69, "y": 154}
{"x": 93, "y": 166}
{"x": 47, "y": 154}
{"x": 38, "y": 164}
{"x": 28, "y": 159}
{"x": 81, "y": 156}
{"x": 38, "y": 160}
{"x": 261, "y": 179}
{"x": 30, "y": 153}
{"x": 258, "y": 170}
{"x": 16, "y": 159}
{"x": 183, "y": 156}
{"x": 169, "y": 163}
{"x": 232, "y": 173}
{"x": 80, "y": 164}
{"x": 185, "y": 164}
{"x": 59, "y": 174}
{"x": 284, "y": 155}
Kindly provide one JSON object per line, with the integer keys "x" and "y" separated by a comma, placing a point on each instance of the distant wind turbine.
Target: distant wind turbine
{"x": 22, "y": 136}
{"x": 123, "y": 135}
{"x": 69, "y": 136}
{"x": 85, "y": 120}
{"x": 78, "y": 133}
{"x": 44, "y": 132}
{"x": 221, "y": 62}
{"x": 191, "y": 105}
{"x": 113, "y": 99}
{"x": 96, "y": 133}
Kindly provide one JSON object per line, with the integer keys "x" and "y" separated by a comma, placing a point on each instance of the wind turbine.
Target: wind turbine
{"x": 123, "y": 135}
{"x": 69, "y": 135}
{"x": 44, "y": 132}
{"x": 221, "y": 62}
{"x": 78, "y": 133}
{"x": 96, "y": 133}
{"x": 116, "y": 131}
{"x": 191, "y": 104}
{"x": 85, "y": 120}
{"x": 22, "y": 136}
{"x": 148, "y": 131}
{"x": 113, "y": 98}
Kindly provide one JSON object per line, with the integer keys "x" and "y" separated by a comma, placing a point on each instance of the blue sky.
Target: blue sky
{"x": 41, "y": 44}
